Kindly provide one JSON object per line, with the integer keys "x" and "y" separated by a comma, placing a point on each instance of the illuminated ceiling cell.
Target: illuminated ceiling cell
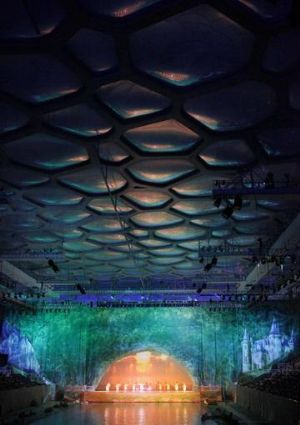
{"x": 227, "y": 153}
{"x": 266, "y": 10}
{"x": 93, "y": 182}
{"x": 108, "y": 239}
{"x": 162, "y": 137}
{"x": 20, "y": 221}
{"x": 46, "y": 152}
{"x": 249, "y": 214}
{"x": 221, "y": 233}
{"x": 118, "y": 8}
{"x": 106, "y": 255}
{"x": 160, "y": 171}
{"x": 130, "y": 248}
{"x": 197, "y": 186}
{"x": 131, "y": 263}
{"x": 80, "y": 120}
{"x": 79, "y": 246}
{"x": 168, "y": 252}
{"x": 211, "y": 221}
{"x": 103, "y": 269}
{"x": 139, "y": 233}
{"x": 11, "y": 118}
{"x": 95, "y": 50}
{"x": 104, "y": 225}
{"x": 43, "y": 78}
{"x": 196, "y": 207}
{"x": 68, "y": 233}
{"x": 279, "y": 142}
{"x": 166, "y": 260}
{"x": 155, "y": 219}
{"x": 19, "y": 20}
{"x": 112, "y": 152}
{"x": 53, "y": 195}
{"x": 278, "y": 205}
{"x": 187, "y": 265}
{"x": 233, "y": 108}
{"x": 72, "y": 255}
{"x": 173, "y": 50}
{"x": 107, "y": 205}
{"x": 145, "y": 198}
{"x": 40, "y": 237}
{"x": 283, "y": 51}
{"x": 20, "y": 205}
{"x": 153, "y": 243}
{"x": 130, "y": 100}
{"x": 180, "y": 233}
{"x": 22, "y": 178}
{"x": 60, "y": 215}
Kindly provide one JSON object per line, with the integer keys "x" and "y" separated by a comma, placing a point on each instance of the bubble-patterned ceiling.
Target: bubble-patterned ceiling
{"x": 116, "y": 119}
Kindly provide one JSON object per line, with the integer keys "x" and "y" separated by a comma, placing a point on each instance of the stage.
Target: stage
{"x": 140, "y": 397}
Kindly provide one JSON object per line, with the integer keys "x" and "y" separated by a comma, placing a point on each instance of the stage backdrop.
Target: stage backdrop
{"x": 77, "y": 347}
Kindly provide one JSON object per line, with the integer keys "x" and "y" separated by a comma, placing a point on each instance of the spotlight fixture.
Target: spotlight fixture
{"x": 80, "y": 289}
{"x": 214, "y": 261}
{"x": 218, "y": 201}
{"x": 53, "y": 266}
{"x": 238, "y": 203}
{"x": 227, "y": 212}
{"x": 201, "y": 260}
{"x": 269, "y": 180}
{"x": 207, "y": 267}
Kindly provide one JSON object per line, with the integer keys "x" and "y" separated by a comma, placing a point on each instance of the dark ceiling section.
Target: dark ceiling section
{"x": 117, "y": 118}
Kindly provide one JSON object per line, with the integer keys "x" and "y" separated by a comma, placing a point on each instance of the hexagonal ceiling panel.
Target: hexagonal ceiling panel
{"x": 147, "y": 198}
{"x": 46, "y": 152}
{"x": 43, "y": 78}
{"x": 173, "y": 50}
{"x": 118, "y": 9}
{"x": 162, "y": 137}
{"x": 95, "y": 50}
{"x": 11, "y": 118}
{"x": 93, "y": 182}
{"x": 117, "y": 135}
{"x": 80, "y": 120}
{"x": 234, "y": 108}
{"x": 19, "y": 20}
{"x": 155, "y": 219}
{"x": 160, "y": 171}
{"x": 129, "y": 100}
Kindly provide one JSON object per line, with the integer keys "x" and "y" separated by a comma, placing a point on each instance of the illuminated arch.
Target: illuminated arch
{"x": 153, "y": 369}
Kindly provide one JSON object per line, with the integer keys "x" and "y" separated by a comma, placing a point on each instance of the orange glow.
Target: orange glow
{"x": 146, "y": 371}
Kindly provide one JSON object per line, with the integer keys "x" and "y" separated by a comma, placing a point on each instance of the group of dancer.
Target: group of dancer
{"x": 146, "y": 387}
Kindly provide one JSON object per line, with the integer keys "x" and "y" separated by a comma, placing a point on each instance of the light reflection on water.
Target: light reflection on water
{"x": 127, "y": 414}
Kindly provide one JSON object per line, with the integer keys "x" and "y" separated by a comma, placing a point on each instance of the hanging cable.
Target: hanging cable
{"x": 122, "y": 224}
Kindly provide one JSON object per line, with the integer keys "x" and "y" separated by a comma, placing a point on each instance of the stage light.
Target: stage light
{"x": 269, "y": 180}
{"x": 228, "y": 211}
{"x": 201, "y": 260}
{"x": 238, "y": 203}
{"x": 53, "y": 265}
{"x": 80, "y": 289}
{"x": 207, "y": 267}
{"x": 218, "y": 202}
{"x": 214, "y": 261}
